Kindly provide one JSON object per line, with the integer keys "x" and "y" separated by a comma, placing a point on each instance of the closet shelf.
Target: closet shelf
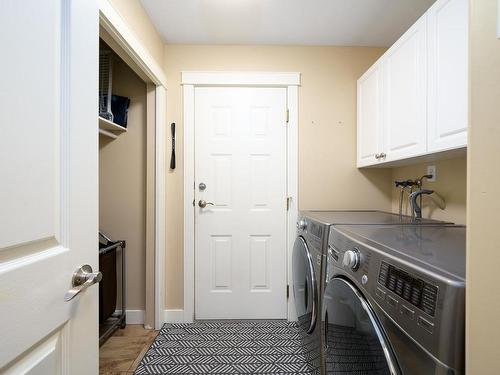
{"x": 109, "y": 128}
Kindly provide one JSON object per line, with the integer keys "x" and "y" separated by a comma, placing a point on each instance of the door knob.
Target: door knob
{"x": 82, "y": 279}
{"x": 204, "y": 204}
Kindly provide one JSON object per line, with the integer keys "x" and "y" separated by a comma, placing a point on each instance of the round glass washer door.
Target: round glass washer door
{"x": 354, "y": 341}
{"x": 305, "y": 289}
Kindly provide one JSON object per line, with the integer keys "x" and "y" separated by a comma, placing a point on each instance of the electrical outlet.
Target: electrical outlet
{"x": 431, "y": 169}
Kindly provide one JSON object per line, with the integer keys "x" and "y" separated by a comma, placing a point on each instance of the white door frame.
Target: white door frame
{"x": 147, "y": 67}
{"x": 191, "y": 80}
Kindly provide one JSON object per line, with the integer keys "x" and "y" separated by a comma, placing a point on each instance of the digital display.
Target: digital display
{"x": 414, "y": 290}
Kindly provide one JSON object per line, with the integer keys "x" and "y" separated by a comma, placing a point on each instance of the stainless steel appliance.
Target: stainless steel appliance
{"x": 309, "y": 268}
{"x": 394, "y": 301}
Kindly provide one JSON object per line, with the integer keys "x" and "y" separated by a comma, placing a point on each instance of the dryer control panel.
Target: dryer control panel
{"x": 414, "y": 290}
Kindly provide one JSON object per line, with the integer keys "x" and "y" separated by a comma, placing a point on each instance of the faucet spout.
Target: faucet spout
{"x": 416, "y": 209}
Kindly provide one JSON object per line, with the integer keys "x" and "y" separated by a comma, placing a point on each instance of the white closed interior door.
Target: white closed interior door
{"x": 48, "y": 193}
{"x": 240, "y": 245}
{"x": 405, "y": 95}
{"x": 370, "y": 139}
{"x": 448, "y": 74}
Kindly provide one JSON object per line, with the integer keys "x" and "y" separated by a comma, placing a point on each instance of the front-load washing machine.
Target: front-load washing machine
{"x": 309, "y": 268}
{"x": 394, "y": 301}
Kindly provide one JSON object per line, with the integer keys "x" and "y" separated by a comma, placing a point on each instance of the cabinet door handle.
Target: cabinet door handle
{"x": 382, "y": 155}
{"x": 377, "y": 156}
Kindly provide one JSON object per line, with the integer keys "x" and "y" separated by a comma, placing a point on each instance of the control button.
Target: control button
{"x": 399, "y": 287}
{"x": 301, "y": 224}
{"x": 407, "y": 312}
{"x": 425, "y": 324}
{"x": 380, "y": 293}
{"x": 392, "y": 301}
{"x": 351, "y": 259}
{"x": 364, "y": 279}
{"x": 407, "y": 291}
{"x": 392, "y": 282}
{"x": 415, "y": 296}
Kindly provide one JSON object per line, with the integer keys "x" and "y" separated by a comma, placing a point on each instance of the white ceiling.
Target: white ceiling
{"x": 302, "y": 22}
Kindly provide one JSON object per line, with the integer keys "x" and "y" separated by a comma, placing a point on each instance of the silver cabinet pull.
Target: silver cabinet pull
{"x": 82, "y": 279}
{"x": 382, "y": 155}
{"x": 204, "y": 204}
{"x": 377, "y": 156}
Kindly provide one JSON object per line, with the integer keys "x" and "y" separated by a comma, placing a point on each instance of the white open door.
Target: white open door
{"x": 48, "y": 185}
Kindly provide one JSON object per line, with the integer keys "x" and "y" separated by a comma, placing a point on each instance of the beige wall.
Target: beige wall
{"x": 451, "y": 184}
{"x": 328, "y": 177}
{"x": 139, "y": 22}
{"x": 483, "y": 249}
{"x": 122, "y": 183}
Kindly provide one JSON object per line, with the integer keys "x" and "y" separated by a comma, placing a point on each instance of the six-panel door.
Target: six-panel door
{"x": 240, "y": 235}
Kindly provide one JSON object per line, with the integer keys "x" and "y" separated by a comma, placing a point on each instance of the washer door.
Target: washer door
{"x": 354, "y": 340}
{"x": 305, "y": 289}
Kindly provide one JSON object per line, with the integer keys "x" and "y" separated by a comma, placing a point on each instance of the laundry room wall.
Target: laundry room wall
{"x": 137, "y": 19}
{"x": 451, "y": 184}
{"x": 483, "y": 200}
{"x": 122, "y": 183}
{"x": 328, "y": 177}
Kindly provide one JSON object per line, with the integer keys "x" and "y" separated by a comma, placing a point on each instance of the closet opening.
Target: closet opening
{"x": 127, "y": 110}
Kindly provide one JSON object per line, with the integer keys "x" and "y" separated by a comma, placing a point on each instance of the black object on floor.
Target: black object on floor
{"x": 226, "y": 347}
{"x": 108, "y": 285}
{"x": 110, "y": 319}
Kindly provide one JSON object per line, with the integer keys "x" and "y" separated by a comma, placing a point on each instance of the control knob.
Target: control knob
{"x": 301, "y": 224}
{"x": 352, "y": 259}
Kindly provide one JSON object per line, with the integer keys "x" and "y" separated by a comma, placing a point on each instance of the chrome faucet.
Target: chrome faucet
{"x": 416, "y": 209}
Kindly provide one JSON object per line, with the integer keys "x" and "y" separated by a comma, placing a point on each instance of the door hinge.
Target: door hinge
{"x": 288, "y": 202}
{"x": 288, "y": 291}
{"x": 287, "y": 115}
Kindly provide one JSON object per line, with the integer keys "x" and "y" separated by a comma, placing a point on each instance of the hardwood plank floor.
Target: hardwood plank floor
{"x": 123, "y": 351}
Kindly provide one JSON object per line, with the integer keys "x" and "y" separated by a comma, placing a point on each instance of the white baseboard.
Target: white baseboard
{"x": 173, "y": 316}
{"x": 134, "y": 316}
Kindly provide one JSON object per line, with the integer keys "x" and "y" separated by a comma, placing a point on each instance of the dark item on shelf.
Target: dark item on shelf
{"x": 105, "y": 83}
{"x": 172, "y": 157}
{"x": 119, "y": 107}
{"x": 112, "y": 319}
{"x": 108, "y": 285}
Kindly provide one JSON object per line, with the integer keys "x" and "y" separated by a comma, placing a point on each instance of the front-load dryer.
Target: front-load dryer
{"x": 394, "y": 301}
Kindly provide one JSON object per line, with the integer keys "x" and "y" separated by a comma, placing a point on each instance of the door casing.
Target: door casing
{"x": 140, "y": 60}
{"x": 191, "y": 80}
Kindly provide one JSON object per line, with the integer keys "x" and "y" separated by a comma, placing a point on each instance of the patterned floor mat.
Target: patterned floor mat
{"x": 226, "y": 347}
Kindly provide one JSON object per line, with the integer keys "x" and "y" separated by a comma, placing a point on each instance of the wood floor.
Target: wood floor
{"x": 121, "y": 354}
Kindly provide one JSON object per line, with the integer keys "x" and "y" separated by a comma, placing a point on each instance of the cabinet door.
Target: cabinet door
{"x": 448, "y": 72}
{"x": 370, "y": 116}
{"x": 405, "y": 81}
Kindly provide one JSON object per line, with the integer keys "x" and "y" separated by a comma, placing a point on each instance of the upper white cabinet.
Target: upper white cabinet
{"x": 405, "y": 75}
{"x": 413, "y": 101}
{"x": 447, "y": 115}
{"x": 370, "y": 116}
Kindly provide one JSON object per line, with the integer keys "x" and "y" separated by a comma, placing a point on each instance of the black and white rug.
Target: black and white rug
{"x": 226, "y": 347}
